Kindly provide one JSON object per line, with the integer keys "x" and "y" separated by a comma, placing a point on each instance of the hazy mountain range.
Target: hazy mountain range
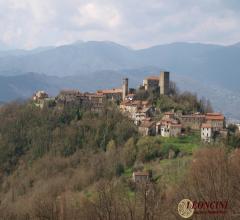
{"x": 212, "y": 71}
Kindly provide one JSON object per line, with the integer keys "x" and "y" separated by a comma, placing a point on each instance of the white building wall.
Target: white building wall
{"x": 206, "y": 134}
{"x": 165, "y": 131}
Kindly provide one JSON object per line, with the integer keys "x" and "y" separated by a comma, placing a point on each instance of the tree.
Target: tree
{"x": 129, "y": 152}
{"x": 213, "y": 177}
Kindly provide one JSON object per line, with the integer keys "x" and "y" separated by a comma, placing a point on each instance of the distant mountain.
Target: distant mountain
{"x": 94, "y": 65}
{"x": 236, "y": 44}
{"x": 4, "y": 47}
{"x": 23, "y": 86}
{"x": 21, "y": 52}
{"x": 205, "y": 62}
{"x": 76, "y": 59}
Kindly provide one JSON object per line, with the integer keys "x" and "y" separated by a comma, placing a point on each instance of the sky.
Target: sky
{"x": 27, "y": 24}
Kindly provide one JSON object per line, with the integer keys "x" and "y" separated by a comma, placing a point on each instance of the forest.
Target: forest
{"x": 75, "y": 164}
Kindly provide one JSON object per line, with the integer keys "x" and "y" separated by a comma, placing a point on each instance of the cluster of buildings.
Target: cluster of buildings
{"x": 92, "y": 101}
{"x": 142, "y": 113}
{"x": 96, "y": 100}
{"x": 40, "y": 98}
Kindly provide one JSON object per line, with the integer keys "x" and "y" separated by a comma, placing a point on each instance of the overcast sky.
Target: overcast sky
{"x": 136, "y": 23}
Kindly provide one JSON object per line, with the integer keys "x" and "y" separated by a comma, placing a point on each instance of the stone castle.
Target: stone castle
{"x": 162, "y": 83}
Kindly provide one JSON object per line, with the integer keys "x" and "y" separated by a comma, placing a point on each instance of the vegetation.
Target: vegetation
{"x": 28, "y": 129}
{"x": 233, "y": 136}
{"x": 70, "y": 163}
{"x": 182, "y": 101}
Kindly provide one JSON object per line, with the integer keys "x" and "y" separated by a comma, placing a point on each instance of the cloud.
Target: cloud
{"x": 96, "y": 15}
{"x": 32, "y": 23}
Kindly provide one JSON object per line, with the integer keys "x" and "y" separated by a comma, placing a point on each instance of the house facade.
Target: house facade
{"x": 112, "y": 94}
{"x": 169, "y": 128}
{"x": 206, "y": 132}
{"x": 147, "y": 127}
{"x": 137, "y": 110}
{"x": 193, "y": 121}
{"x": 151, "y": 82}
{"x": 216, "y": 120}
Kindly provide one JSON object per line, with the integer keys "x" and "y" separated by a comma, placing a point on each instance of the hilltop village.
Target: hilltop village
{"x": 142, "y": 112}
{"x": 124, "y": 148}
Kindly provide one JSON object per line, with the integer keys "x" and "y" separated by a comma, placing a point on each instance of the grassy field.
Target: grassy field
{"x": 186, "y": 144}
{"x": 170, "y": 171}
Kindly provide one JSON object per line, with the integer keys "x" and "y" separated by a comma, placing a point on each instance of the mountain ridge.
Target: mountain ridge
{"x": 195, "y": 60}
{"x": 95, "y": 65}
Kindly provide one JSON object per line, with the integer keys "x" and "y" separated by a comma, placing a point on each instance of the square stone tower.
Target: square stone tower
{"x": 164, "y": 82}
{"x": 124, "y": 88}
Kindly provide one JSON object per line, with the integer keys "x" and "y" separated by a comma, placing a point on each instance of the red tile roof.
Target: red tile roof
{"x": 205, "y": 125}
{"x": 110, "y": 91}
{"x": 218, "y": 117}
{"x": 145, "y": 102}
{"x": 213, "y": 113}
{"x": 98, "y": 95}
{"x": 193, "y": 116}
{"x": 168, "y": 113}
{"x": 153, "y": 78}
{"x": 147, "y": 124}
{"x": 169, "y": 121}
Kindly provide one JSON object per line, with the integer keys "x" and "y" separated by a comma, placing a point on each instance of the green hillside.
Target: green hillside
{"x": 70, "y": 163}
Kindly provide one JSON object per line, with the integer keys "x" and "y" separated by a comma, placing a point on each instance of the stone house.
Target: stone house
{"x": 161, "y": 82}
{"x": 42, "y": 99}
{"x": 68, "y": 97}
{"x": 141, "y": 177}
{"x": 93, "y": 101}
{"x": 142, "y": 114}
{"x": 238, "y": 126}
{"x": 112, "y": 94}
{"x": 193, "y": 121}
{"x": 147, "y": 127}
{"x": 40, "y": 95}
{"x": 151, "y": 82}
{"x": 137, "y": 110}
{"x": 175, "y": 130}
{"x": 168, "y": 115}
{"x": 130, "y": 107}
{"x": 169, "y": 128}
{"x": 216, "y": 120}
